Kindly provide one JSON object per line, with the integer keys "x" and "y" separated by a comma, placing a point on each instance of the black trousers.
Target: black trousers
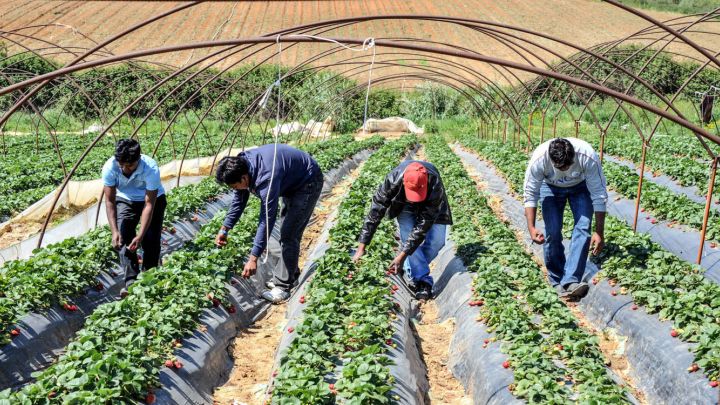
{"x": 128, "y": 218}
{"x": 296, "y": 213}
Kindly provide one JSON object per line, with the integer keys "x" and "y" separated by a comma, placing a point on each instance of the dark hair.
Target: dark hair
{"x": 561, "y": 152}
{"x": 127, "y": 151}
{"x": 231, "y": 169}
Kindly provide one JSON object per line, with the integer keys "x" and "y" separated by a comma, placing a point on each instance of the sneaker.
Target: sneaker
{"x": 276, "y": 295}
{"x": 561, "y": 291}
{"x": 270, "y": 285}
{"x": 577, "y": 290}
{"x": 423, "y": 291}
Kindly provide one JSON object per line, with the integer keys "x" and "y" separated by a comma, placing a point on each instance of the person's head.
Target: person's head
{"x": 561, "y": 153}
{"x": 127, "y": 154}
{"x": 233, "y": 171}
{"x": 415, "y": 181}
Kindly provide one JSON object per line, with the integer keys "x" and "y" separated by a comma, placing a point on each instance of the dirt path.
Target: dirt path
{"x": 611, "y": 345}
{"x": 435, "y": 344}
{"x": 254, "y": 349}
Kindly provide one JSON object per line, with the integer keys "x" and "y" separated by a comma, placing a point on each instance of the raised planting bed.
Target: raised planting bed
{"x": 176, "y": 236}
{"x": 667, "y": 310}
{"x": 341, "y": 348}
{"x": 552, "y": 358}
{"x": 207, "y": 361}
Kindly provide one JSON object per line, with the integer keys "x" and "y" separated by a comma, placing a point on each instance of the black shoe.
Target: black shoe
{"x": 577, "y": 290}
{"x": 423, "y": 292}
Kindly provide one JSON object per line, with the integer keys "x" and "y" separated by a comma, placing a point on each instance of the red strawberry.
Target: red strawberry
{"x": 177, "y": 364}
{"x": 275, "y": 373}
{"x": 216, "y": 302}
{"x": 73, "y": 307}
{"x": 486, "y": 341}
{"x": 231, "y": 309}
{"x": 594, "y": 281}
{"x": 169, "y": 363}
{"x": 100, "y": 286}
{"x": 395, "y": 287}
{"x": 392, "y": 291}
{"x": 713, "y": 245}
{"x": 693, "y": 368}
{"x": 331, "y": 386}
{"x": 291, "y": 329}
{"x": 195, "y": 218}
{"x": 173, "y": 230}
{"x": 349, "y": 276}
{"x": 506, "y": 364}
{"x": 674, "y": 333}
{"x": 642, "y": 209}
{"x": 634, "y": 307}
{"x": 613, "y": 293}
{"x": 388, "y": 342}
{"x": 302, "y": 299}
{"x": 150, "y": 398}
{"x": 714, "y": 384}
{"x": 15, "y": 332}
{"x": 653, "y": 221}
{"x": 233, "y": 281}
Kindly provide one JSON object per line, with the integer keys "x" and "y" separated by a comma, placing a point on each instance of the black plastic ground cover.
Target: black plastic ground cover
{"x": 658, "y": 362}
{"x": 45, "y": 334}
{"x": 691, "y": 192}
{"x": 206, "y": 357}
{"x": 478, "y": 369}
{"x": 409, "y": 370}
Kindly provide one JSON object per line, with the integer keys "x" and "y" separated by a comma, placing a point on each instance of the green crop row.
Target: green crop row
{"x": 349, "y": 307}
{"x": 655, "y": 278}
{"x": 54, "y": 274}
{"x": 553, "y": 359}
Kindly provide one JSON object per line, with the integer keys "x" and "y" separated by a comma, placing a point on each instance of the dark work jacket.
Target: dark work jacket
{"x": 293, "y": 169}
{"x": 390, "y": 198}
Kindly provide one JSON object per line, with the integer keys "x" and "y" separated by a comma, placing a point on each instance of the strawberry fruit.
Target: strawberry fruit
{"x": 506, "y": 364}
{"x": 150, "y": 398}
{"x": 15, "y": 332}
{"x": 674, "y": 333}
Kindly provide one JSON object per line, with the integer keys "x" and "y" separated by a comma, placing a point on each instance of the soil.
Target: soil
{"x": 611, "y": 345}
{"x": 435, "y": 340}
{"x": 583, "y": 22}
{"x": 254, "y": 349}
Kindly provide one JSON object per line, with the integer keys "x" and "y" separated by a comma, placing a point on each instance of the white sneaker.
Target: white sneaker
{"x": 270, "y": 285}
{"x": 276, "y": 295}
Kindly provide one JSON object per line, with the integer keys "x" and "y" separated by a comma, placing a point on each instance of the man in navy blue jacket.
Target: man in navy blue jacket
{"x": 270, "y": 172}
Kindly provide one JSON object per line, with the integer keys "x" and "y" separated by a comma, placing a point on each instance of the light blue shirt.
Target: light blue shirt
{"x": 145, "y": 178}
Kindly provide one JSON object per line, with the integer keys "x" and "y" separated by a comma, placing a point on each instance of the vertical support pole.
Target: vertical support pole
{"x": 479, "y": 134}
{"x": 639, "y": 188}
{"x": 529, "y": 134}
{"x": 504, "y": 133}
{"x": 708, "y": 201}
{"x": 555, "y": 127}
{"x": 542, "y": 129}
{"x": 602, "y": 144}
{"x": 577, "y": 129}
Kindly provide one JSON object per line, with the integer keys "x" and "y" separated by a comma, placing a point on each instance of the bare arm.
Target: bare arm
{"x": 535, "y": 235}
{"x": 111, "y": 211}
{"x": 145, "y": 218}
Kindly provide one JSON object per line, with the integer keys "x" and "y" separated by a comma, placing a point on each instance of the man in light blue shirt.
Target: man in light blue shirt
{"x": 134, "y": 194}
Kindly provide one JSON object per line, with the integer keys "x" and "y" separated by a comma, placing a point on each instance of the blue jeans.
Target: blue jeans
{"x": 553, "y": 199}
{"x": 418, "y": 264}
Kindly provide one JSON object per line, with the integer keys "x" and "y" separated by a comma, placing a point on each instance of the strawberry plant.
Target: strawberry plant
{"x": 56, "y": 273}
{"x": 117, "y": 355}
{"x": 552, "y": 358}
{"x": 656, "y": 279}
{"x": 347, "y": 319}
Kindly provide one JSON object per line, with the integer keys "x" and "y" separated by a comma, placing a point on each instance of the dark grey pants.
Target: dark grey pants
{"x": 128, "y": 218}
{"x": 296, "y": 212}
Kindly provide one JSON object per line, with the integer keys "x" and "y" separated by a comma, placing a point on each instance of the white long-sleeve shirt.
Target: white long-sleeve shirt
{"x": 585, "y": 167}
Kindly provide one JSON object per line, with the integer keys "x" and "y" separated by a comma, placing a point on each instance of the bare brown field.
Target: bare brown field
{"x": 75, "y": 23}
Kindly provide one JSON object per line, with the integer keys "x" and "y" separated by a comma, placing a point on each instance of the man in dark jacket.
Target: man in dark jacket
{"x": 413, "y": 193}
{"x": 271, "y": 172}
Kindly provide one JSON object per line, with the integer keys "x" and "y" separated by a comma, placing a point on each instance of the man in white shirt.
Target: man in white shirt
{"x": 134, "y": 194}
{"x": 562, "y": 171}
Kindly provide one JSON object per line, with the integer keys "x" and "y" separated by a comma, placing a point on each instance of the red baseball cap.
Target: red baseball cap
{"x": 415, "y": 180}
